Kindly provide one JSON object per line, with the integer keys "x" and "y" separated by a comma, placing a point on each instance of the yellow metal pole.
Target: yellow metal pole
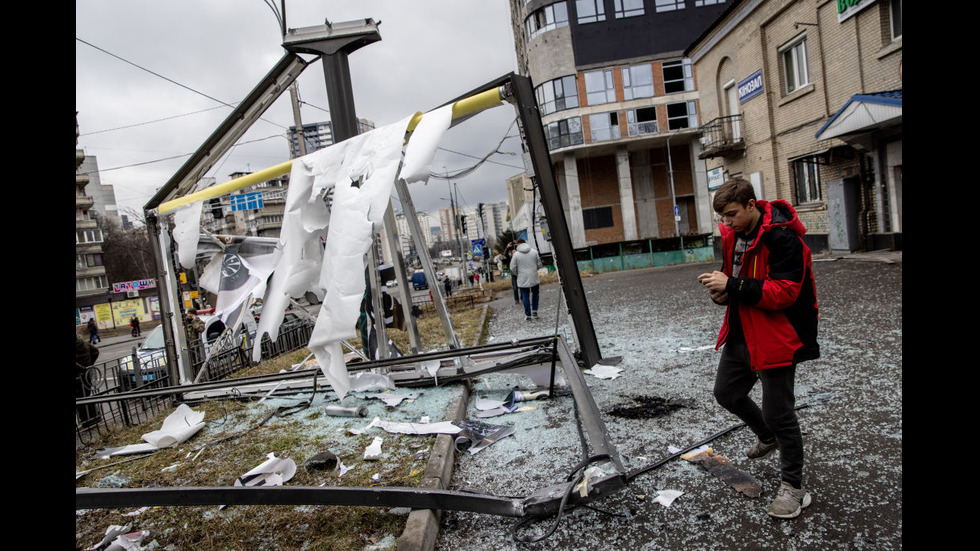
{"x": 463, "y": 107}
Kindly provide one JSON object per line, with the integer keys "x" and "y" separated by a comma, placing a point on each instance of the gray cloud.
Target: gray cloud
{"x": 430, "y": 53}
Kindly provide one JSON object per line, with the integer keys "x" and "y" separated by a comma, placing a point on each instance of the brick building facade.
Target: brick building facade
{"x": 803, "y": 98}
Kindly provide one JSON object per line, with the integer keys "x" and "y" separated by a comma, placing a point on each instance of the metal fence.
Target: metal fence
{"x": 110, "y": 382}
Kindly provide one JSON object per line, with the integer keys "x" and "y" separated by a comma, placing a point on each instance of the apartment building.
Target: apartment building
{"x": 90, "y": 278}
{"x": 804, "y": 99}
{"x": 620, "y": 108}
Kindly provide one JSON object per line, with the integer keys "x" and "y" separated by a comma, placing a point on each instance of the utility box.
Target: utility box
{"x": 842, "y": 215}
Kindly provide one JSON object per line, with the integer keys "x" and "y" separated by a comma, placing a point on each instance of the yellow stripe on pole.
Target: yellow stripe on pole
{"x": 463, "y": 107}
{"x": 227, "y": 187}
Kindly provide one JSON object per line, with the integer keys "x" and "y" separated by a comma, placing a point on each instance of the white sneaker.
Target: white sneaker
{"x": 789, "y": 501}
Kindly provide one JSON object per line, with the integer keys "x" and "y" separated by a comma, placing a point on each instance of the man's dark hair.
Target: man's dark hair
{"x": 736, "y": 190}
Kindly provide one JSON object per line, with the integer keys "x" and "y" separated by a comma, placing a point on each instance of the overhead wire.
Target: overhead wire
{"x": 470, "y": 170}
{"x": 170, "y": 80}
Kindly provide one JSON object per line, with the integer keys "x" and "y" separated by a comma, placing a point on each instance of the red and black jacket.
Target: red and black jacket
{"x": 774, "y": 295}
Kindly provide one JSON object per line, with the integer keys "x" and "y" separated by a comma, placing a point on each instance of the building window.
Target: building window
{"x": 600, "y": 87}
{"x": 642, "y": 121}
{"x": 678, "y": 76}
{"x": 88, "y": 236}
{"x": 703, "y": 3}
{"x": 669, "y": 5}
{"x": 565, "y": 133}
{"x": 806, "y": 172}
{"x": 895, "y": 10}
{"x": 557, "y": 95}
{"x": 604, "y": 126}
{"x": 598, "y": 217}
{"x": 638, "y": 81}
{"x": 90, "y": 283}
{"x": 682, "y": 115}
{"x": 794, "y": 64}
{"x": 627, "y": 8}
{"x": 547, "y": 18}
{"x": 590, "y": 11}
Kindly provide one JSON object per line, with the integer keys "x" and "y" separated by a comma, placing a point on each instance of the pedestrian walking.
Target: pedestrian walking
{"x": 524, "y": 266}
{"x": 135, "y": 325}
{"x": 93, "y": 331}
{"x": 770, "y": 326}
{"x": 448, "y": 284}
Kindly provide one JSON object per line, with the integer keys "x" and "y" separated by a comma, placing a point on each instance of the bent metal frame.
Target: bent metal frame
{"x": 546, "y": 350}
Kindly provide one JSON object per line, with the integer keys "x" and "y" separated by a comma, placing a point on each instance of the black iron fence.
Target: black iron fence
{"x": 105, "y": 386}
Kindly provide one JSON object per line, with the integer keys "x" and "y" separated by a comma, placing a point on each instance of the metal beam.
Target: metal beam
{"x": 561, "y": 240}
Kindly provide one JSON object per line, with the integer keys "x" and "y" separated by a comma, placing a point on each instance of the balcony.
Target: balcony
{"x": 722, "y": 137}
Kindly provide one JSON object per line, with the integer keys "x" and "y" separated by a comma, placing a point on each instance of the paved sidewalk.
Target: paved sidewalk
{"x": 663, "y": 325}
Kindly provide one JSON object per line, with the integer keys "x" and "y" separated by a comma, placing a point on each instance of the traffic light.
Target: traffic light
{"x": 462, "y": 223}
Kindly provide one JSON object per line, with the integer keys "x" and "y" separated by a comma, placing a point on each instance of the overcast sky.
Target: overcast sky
{"x": 142, "y": 127}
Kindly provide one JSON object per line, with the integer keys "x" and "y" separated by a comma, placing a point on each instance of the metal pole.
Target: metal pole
{"x": 670, "y": 175}
{"x": 561, "y": 240}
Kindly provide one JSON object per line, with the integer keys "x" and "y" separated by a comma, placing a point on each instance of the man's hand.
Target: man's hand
{"x": 716, "y": 282}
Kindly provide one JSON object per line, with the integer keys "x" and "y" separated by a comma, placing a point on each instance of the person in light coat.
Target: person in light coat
{"x": 524, "y": 266}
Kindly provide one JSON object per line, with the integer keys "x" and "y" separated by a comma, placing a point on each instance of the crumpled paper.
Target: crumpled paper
{"x": 177, "y": 428}
{"x": 272, "y": 472}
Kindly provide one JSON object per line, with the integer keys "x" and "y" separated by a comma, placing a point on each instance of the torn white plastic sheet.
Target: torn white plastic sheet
{"x": 244, "y": 268}
{"x": 425, "y": 139}
{"x": 475, "y": 436}
{"x": 373, "y": 451}
{"x": 362, "y": 187}
{"x": 177, "y": 428}
{"x": 392, "y": 400}
{"x": 486, "y": 404}
{"x": 666, "y": 497}
{"x": 695, "y": 349}
{"x": 431, "y": 367}
{"x": 366, "y": 382}
{"x": 132, "y": 541}
{"x": 272, "y": 472}
{"x": 360, "y": 172}
{"x": 111, "y": 533}
{"x": 443, "y": 427}
{"x": 187, "y": 232}
{"x": 604, "y": 371}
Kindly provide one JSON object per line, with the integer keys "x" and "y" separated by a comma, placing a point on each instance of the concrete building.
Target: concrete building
{"x": 103, "y": 195}
{"x": 804, "y": 99}
{"x": 447, "y": 223}
{"x": 318, "y": 135}
{"x": 620, "y": 108}
{"x": 257, "y": 211}
{"x": 91, "y": 285}
{"x": 405, "y": 234}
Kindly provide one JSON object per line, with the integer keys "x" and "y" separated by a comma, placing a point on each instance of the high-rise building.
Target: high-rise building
{"x": 405, "y": 234}
{"x": 318, "y": 135}
{"x": 619, "y": 105}
{"x": 90, "y": 277}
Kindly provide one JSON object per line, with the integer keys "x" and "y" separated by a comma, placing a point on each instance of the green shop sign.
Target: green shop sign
{"x": 848, "y": 8}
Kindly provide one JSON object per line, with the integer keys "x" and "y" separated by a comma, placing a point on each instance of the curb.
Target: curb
{"x": 422, "y": 527}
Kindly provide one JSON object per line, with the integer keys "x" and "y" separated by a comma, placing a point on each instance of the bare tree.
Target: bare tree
{"x": 126, "y": 254}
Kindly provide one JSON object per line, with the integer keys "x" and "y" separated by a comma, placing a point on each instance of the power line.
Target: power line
{"x": 149, "y": 122}
{"x": 170, "y": 80}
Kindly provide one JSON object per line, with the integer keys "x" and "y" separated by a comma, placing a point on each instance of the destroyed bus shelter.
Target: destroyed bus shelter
{"x": 354, "y": 188}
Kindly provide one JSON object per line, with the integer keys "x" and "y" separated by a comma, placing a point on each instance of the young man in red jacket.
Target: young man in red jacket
{"x": 770, "y": 326}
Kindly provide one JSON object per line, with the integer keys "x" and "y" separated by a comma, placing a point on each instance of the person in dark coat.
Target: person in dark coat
{"x": 93, "y": 331}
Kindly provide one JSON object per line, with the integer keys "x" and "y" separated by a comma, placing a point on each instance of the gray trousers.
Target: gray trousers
{"x": 776, "y": 417}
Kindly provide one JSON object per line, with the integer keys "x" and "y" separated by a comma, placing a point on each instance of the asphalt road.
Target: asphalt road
{"x": 663, "y": 325}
